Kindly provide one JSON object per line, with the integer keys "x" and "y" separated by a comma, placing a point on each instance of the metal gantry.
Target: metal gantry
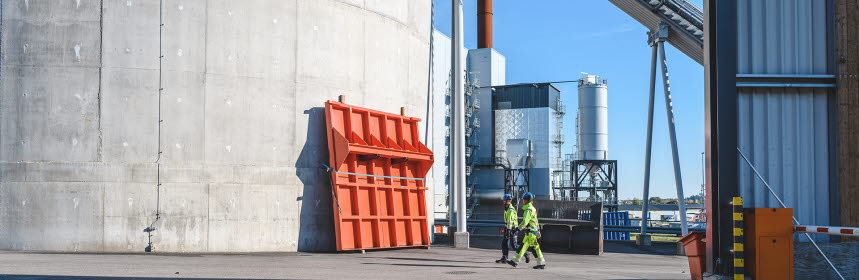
{"x": 596, "y": 177}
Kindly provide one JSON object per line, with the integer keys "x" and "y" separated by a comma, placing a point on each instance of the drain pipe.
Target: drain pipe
{"x": 151, "y": 226}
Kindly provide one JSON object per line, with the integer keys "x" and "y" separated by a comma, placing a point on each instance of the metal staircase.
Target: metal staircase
{"x": 472, "y": 106}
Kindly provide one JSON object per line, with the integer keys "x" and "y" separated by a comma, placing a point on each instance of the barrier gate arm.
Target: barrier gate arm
{"x": 843, "y": 231}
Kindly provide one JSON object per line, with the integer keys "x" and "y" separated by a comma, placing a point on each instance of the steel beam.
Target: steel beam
{"x": 649, "y": 145}
{"x": 669, "y": 111}
{"x": 720, "y": 132}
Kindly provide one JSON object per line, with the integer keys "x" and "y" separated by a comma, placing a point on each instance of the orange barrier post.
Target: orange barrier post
{"x": 769, "y": 243}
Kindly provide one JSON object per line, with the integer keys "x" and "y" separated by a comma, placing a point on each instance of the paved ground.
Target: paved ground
{"x": 435, "y": 263}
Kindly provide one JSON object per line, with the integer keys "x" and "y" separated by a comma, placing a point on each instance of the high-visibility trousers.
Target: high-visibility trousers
{"x": 530, "y": 241}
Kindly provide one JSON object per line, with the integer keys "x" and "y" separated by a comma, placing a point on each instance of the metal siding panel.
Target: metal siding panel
{"x": 782, "y": 37}
{"x": 820, "y": 33}
{"x": 539, "y": 182}
{"x": 822, "y": 155}
{"x": 784, "y": 133}
{"x": 769, "y": 38}
{"x": 532, "y": 124}
{"x": 743, "y": 37}
{"x": 524, "y": 96}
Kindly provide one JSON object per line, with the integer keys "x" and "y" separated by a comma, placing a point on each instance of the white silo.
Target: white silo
{"x": 592, "y": 135}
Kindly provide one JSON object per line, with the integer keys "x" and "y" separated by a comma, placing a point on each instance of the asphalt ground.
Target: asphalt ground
{"x": 621, "y": 261}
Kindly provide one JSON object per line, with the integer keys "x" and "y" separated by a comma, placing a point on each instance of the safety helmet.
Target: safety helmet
{"x": 528, "y": 196}
{"x": 507, "y": 196}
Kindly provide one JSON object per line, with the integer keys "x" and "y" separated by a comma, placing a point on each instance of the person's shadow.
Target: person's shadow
{"x": 316, "y": 229}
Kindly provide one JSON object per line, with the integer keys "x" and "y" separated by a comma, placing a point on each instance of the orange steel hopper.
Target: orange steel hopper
{"x": 378, "y": 166}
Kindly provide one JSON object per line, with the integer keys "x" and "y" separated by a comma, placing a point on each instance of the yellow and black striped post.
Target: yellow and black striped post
{"x": 739, "y": 241}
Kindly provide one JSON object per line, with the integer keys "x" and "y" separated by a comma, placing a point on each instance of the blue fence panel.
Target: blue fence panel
{"x": 612, "y": 219}
{"x": 616, "y": 219}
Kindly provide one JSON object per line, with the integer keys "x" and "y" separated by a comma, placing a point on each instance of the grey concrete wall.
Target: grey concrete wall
{"x": 243, "y": 126}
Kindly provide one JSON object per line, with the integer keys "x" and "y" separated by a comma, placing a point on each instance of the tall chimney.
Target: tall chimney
{"x": 484, "y": 24}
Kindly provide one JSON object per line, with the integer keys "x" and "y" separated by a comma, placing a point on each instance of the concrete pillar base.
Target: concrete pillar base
{"x": 643, "y": 240}
{"x": 460, "y": 240}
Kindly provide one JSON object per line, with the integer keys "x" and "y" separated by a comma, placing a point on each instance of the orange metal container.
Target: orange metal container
{"x": 696, "y": 252}
{"x": 380, "y": 200}
{"x": 769, "y": 243}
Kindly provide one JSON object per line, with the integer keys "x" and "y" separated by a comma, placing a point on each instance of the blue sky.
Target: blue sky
{"x": 555, "y": 40}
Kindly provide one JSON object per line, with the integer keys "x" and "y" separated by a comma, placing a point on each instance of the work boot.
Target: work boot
{"x": 527, "y": 258}
{"x": 540, "y": 266}
{"x": 511, "y": 263}
{"x": 502, "y": 260}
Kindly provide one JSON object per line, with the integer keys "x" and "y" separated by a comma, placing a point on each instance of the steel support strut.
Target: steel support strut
{"x": 656, "y": 39}
{"x": 647, "y": 150}
{"x": 669, "y": 110}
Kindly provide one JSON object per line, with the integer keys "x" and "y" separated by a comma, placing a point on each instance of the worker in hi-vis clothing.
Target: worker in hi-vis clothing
{"x": 529, "y": 222}
{"x": 511, "y": 221}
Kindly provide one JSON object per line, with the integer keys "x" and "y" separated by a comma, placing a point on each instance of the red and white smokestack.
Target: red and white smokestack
{"x": 484, "y": 24}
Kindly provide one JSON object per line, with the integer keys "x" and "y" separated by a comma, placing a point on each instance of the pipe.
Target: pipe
{"x": 151, "y": 226}
{"x": 484, "y": 24}
{"x": 457, "y": 156}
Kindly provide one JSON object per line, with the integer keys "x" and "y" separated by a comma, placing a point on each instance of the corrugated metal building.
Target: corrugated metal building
{"x": 531, "y": 111}
{"x": 786, "y": 128}
{"x": 779, "y": 90}
{"x": 526, "y": 96}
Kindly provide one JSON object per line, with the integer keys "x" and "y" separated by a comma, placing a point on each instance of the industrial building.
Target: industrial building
{"x": 496, "y": 113}
{"x": 202, "y": 126}
{"x": 532, "y": 112}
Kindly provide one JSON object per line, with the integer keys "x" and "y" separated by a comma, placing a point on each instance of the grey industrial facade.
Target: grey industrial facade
{"x": 772, "y": 92}
{"x": 237, "y": 146}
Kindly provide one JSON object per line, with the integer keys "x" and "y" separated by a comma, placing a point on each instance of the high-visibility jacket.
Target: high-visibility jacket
{"x": 511, "y": 219}
{"x": 529, "y": 218}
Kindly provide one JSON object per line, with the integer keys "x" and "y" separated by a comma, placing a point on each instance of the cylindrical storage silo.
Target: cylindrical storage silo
{"x": 227, "y": 156}
{"x": 593, "y": 119}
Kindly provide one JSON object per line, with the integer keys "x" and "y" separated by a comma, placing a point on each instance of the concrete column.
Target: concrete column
{"x": 458, "y": 126}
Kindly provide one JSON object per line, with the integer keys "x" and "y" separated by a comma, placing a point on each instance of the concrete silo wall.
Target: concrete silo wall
{"x": 243, "y": 127}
